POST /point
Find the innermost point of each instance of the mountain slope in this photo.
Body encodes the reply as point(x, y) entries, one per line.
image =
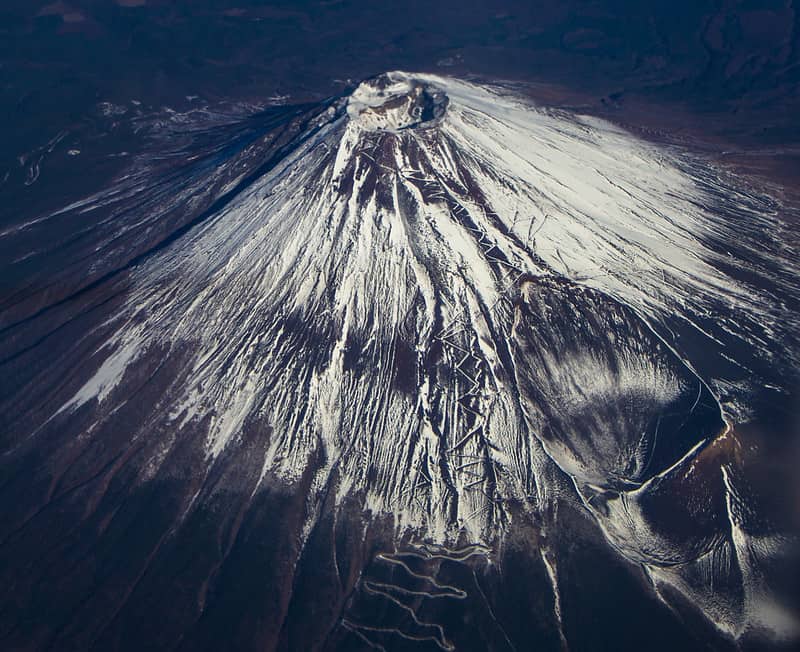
point(456, 323)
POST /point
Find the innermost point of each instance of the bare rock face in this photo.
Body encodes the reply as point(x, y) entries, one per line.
point(423, 365)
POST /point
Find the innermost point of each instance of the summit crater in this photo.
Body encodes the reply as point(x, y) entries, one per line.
point(395, 101)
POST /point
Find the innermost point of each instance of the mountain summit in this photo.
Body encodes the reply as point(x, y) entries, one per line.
point(432, 362)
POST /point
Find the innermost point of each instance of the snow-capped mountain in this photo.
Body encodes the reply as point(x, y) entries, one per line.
point(429, 310)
